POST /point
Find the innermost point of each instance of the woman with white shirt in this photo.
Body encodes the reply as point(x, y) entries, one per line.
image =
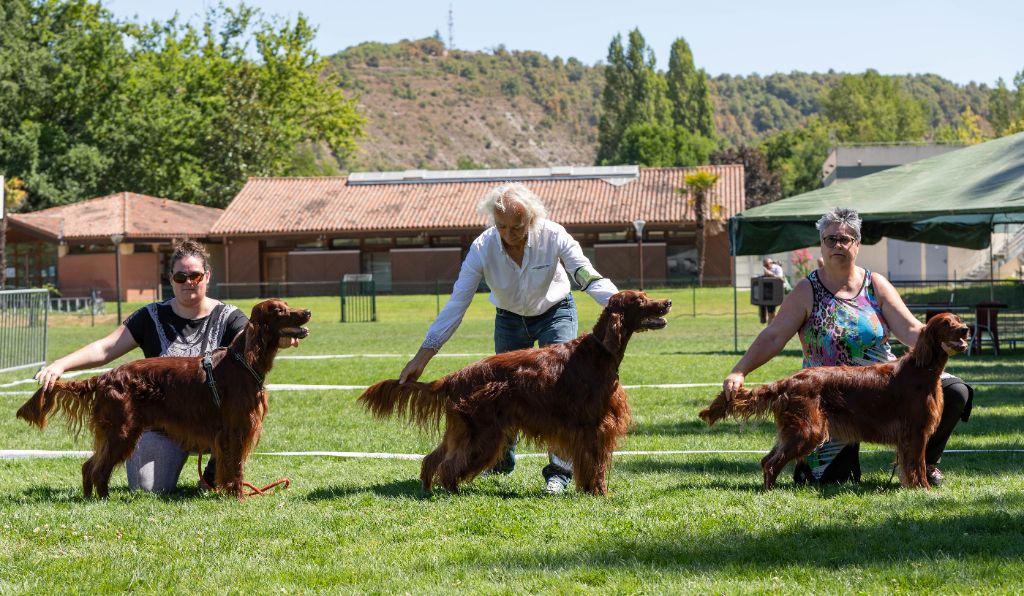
point(526, 261)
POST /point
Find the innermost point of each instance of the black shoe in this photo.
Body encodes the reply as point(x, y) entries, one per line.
point(802, 474)
point(935, 476)
point(506, 464)
point(210, 473)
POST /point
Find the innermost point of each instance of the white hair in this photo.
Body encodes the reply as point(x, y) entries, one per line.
point(842, 216)
point(498, 199)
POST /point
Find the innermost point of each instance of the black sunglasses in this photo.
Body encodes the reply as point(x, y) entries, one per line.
point(195, 277)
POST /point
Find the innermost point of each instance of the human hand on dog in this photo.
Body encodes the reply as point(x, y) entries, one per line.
point(288, 342)
point(733, 383)
point(415, 367)
point(48, 375)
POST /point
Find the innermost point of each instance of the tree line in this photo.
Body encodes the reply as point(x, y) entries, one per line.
point(660, 119)
point(91, 105)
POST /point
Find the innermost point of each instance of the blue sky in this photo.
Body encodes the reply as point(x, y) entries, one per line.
point(963, 42)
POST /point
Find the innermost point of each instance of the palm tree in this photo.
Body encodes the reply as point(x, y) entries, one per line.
point(699, 184)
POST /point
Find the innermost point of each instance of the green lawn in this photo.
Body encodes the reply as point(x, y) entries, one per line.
point(672, 523)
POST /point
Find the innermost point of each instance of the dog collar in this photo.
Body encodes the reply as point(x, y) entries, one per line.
point(212, 383)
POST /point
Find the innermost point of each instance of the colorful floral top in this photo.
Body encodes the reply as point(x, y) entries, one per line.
point(845, 331)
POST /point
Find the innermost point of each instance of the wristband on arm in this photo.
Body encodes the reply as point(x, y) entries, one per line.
point(585, 276)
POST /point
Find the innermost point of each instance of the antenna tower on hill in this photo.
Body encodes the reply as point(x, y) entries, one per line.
point(451, 27)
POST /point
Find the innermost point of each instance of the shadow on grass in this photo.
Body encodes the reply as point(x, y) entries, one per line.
point(688, 424)
point(65, 494)
point(395, 488)
point(742, 472)
point(410, 489)
point(990, 533)
point(742, 476)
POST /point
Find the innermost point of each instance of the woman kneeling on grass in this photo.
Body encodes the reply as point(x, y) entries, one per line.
point(844, 314)
point(189, 324)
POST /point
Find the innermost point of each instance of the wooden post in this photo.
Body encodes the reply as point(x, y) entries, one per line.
point(3, 236)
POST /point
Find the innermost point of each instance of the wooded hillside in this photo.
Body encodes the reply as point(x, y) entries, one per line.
point(430, 108)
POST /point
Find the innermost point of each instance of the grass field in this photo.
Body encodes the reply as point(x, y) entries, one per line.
point(672, 522)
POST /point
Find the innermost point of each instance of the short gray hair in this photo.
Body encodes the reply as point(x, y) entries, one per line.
point(842, 216)
point(497, 199)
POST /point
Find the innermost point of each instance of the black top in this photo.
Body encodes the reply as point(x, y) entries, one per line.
point(183, 337)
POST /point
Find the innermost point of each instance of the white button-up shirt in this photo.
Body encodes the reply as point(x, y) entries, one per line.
point(529, 289)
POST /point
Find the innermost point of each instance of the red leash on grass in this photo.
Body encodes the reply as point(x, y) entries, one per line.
point(255, 491)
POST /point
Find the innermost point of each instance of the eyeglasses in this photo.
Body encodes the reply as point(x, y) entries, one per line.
point(195, 277)
point(833, 241)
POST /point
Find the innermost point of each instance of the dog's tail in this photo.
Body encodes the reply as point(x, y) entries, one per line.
point(422, 403)
point(745, 403)
point(74, 399)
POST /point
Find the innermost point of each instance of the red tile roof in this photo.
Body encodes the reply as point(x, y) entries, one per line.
point(329, 204)
point(133, 215)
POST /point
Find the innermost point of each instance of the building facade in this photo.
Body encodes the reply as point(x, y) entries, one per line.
point(411, 229)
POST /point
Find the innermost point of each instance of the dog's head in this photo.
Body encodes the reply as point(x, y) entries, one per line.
point(628, 312)
point(276, 318)
point(946, 332)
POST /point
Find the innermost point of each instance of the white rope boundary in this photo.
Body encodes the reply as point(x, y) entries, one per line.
point(299, 387)
point(11, 454)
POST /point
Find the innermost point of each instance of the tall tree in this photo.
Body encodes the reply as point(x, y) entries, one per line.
point(633, 93)
point(61, 67)
point(699, 185)
point(1002, 108)
point(760, 184)
point(797, 155)
point(870, 108)
point(688, 92)
point(91, 106)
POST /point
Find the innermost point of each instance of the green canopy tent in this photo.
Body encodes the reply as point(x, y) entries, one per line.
point(955, 199)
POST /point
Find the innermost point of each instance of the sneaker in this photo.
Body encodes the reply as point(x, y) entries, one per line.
point(935, 476)
point(556, 485)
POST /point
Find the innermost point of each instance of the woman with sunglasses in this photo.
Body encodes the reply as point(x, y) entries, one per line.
point(844, 315)
point(189, 324)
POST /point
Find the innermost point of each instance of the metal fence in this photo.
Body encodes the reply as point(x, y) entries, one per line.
point(23, 317)
point(358, 299)
point(963, 292)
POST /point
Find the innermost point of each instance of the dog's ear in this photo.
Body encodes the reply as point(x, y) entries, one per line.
point(927, 343)
point(612, 337)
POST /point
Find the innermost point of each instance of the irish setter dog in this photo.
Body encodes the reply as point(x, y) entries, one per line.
point(566, 395)
point(897, 403)
point(171, 394)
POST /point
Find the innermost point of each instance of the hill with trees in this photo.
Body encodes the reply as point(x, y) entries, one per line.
point(429, 107)
point(91, 105)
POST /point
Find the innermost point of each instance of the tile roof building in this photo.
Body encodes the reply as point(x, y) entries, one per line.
point(300, 236)
point(411, 229)
point(72, 246)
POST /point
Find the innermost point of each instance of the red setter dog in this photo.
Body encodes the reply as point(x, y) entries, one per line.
point(565, 395)
point(172, 395)
point(897, 403)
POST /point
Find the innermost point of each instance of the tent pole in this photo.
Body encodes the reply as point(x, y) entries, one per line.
point(735, 316)
point(991, 270)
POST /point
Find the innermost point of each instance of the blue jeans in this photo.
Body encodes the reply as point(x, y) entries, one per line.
point(557, 325)
point(156, 463)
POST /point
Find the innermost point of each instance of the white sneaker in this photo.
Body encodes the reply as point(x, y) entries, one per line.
point(556, 485)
